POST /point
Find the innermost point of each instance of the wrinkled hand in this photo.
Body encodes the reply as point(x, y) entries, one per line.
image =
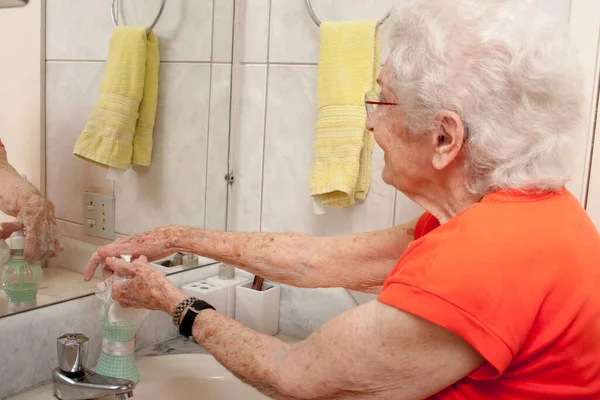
point(37, 221)
point(145, 287)
point(154, 244)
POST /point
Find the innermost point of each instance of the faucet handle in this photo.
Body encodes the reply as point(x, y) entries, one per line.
point(72, 350)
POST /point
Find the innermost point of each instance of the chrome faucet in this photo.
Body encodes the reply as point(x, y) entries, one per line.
point(73, 381)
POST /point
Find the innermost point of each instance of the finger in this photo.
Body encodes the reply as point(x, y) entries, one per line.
point(51, 250)
point(93, 263)
point(118, 292)
point(106, 271)
point(43, 247)
point(122, 292)
point(33, 249)
point(50, 244)
point(143, 268)
point(12, 226)
point(5, 234)
point(142, 259)
point(121, 267)
point(58, 248)
point(114, 249)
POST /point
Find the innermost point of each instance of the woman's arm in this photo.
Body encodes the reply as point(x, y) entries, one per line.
point(360, 262)
point(373, 351)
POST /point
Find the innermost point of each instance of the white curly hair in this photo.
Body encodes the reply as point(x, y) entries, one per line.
point(508, 69)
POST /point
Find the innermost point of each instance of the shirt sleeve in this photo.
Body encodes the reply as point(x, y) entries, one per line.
point(463, 283)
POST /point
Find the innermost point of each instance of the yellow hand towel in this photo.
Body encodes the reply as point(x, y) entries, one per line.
point(142, 140)
point(348, 66)
point(120, 127)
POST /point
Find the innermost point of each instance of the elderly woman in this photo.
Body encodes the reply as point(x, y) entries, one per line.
point(495, 293)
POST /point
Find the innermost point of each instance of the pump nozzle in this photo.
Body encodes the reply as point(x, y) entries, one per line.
point(17, 240)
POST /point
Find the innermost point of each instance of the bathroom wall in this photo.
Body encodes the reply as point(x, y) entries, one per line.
point(21, 77)
point(272, 142)
point(184, 185)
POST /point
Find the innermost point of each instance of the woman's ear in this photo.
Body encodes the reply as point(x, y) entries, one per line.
point(447, 140)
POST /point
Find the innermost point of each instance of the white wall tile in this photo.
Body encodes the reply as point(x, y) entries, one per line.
point(223, 31)
point(287, 204)
point(247, 150)
point(75, 256)
point(78, 30)
point(71, 92)
point(254, 33)
point(218, 148)
point(294, 36)
point(172, 189)
point(75, 231)
point(184, 29)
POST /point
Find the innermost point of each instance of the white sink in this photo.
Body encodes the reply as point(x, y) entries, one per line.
point(189, 376)
point(177, 377)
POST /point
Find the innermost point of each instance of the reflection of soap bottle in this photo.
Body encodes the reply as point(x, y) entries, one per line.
point(20, 278)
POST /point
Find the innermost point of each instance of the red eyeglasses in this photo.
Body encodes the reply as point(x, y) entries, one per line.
point(372, 101)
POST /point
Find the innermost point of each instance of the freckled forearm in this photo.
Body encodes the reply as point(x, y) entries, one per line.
point(360, 261)
point(254, 358)
point(320, 367)
point(279, 257)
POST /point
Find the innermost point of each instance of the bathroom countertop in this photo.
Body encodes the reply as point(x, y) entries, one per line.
point(175, 345)
point(58, 284)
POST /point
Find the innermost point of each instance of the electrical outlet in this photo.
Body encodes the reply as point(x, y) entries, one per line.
point(99, 215)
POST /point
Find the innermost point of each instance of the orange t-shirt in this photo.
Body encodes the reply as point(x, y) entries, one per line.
point(518, 277)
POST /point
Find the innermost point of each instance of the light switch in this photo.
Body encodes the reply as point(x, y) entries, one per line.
point(99, 214)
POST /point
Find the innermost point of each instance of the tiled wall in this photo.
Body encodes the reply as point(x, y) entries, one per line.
point(272, 144)
point(184, 185)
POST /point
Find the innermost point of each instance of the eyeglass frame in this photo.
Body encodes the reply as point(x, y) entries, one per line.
point(385, 103)
point(375, 103)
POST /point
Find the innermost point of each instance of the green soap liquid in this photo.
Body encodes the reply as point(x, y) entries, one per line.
point(113, 365)
point(21, 293)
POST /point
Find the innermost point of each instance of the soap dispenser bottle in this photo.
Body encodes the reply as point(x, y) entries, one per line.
point(20, 278)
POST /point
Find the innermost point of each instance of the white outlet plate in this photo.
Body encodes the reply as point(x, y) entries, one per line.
point(99, 215)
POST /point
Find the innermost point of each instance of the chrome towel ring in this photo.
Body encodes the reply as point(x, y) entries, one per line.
point(113, 14)
point(317, 21)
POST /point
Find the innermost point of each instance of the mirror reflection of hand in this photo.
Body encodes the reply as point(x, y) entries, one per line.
point(144, 287)
point(154, 244)
point(36, 219)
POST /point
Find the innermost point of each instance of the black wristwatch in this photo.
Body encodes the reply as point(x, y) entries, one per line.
point(185, 328)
